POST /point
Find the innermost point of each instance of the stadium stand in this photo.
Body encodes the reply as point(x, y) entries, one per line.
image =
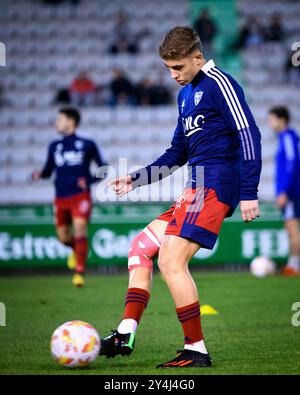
point(48, 45)
point(265, 80)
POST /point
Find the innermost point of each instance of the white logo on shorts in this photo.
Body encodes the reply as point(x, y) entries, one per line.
point(84, 206)
point(179, 201)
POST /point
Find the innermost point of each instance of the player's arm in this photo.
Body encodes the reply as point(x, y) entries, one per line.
point(96, 157)
point(48, 167)
point(232, 104)
point(173, 158)
point(287, 167)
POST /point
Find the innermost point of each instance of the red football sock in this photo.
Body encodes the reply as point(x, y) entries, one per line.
point(81, 252)
point(135, 303)
point(189, 316)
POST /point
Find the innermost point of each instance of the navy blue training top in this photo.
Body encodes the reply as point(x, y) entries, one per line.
point(70, 158)
point(215, 130)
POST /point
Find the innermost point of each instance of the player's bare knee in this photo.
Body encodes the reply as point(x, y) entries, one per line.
point(143, 249)
point(62, 239)
point(295, 240)
point(162, 265)
point(80, 233)
point(172, 269)
point(294, 247)
point(80, 230)
point(169, 265)
point(63, 236)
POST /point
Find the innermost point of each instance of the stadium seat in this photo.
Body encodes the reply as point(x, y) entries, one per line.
point(3, 176)
point(46, 57)
point(38, 156)
point(18, 156)
point(22, 137)
point(18, 176)
point(3, 159)
point(6, 138)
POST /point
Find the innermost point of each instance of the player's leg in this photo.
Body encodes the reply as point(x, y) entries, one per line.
point(196, 221)
point(63, 222)
point(174, 256)
point(144, 248)
point(291, 215)
point(293, 264)
point(80, 233)
point(145, 245)
point(81, 208)
point(65, 235)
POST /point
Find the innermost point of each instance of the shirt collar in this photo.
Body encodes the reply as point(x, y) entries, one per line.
point(207, 66)
point(69, 137)
point(284, 131)
point(204, 69)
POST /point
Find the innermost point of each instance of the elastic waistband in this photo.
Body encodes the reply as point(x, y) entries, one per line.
point(81, 195)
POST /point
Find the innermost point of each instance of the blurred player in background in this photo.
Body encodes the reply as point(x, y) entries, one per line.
point(215, 130)
point(70, 157)
point(288, 182)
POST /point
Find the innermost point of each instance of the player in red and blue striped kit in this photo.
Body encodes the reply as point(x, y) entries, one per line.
point(70, 158)
point(215, 131)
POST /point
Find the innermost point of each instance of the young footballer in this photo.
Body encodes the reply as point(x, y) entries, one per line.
point(288, 183)
point(70, 157)
point(215, 130)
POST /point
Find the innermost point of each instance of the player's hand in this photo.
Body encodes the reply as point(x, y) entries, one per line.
point(36, 175)
point(121, 185)
point(282, 200)
point(249, 210)
point(82, 183)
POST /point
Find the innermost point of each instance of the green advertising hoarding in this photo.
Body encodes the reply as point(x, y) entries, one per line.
point(27, 236)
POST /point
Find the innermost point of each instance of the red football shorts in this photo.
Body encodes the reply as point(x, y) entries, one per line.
point(197, 215)
point(66, 208)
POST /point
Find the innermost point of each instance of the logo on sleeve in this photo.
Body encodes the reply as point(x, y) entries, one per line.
point(182, 106)
point(197, 97)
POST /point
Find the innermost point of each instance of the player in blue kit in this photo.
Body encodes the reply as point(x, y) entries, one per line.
point(215, 130)
point(70, 158)
point(288, 182)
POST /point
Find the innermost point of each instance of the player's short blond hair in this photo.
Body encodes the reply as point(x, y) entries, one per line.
point(180, 42)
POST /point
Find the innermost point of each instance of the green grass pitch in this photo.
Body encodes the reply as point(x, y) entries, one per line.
point(252, 334)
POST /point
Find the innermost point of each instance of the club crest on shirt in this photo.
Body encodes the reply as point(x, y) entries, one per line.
point(79, 144)
point(197, 97)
